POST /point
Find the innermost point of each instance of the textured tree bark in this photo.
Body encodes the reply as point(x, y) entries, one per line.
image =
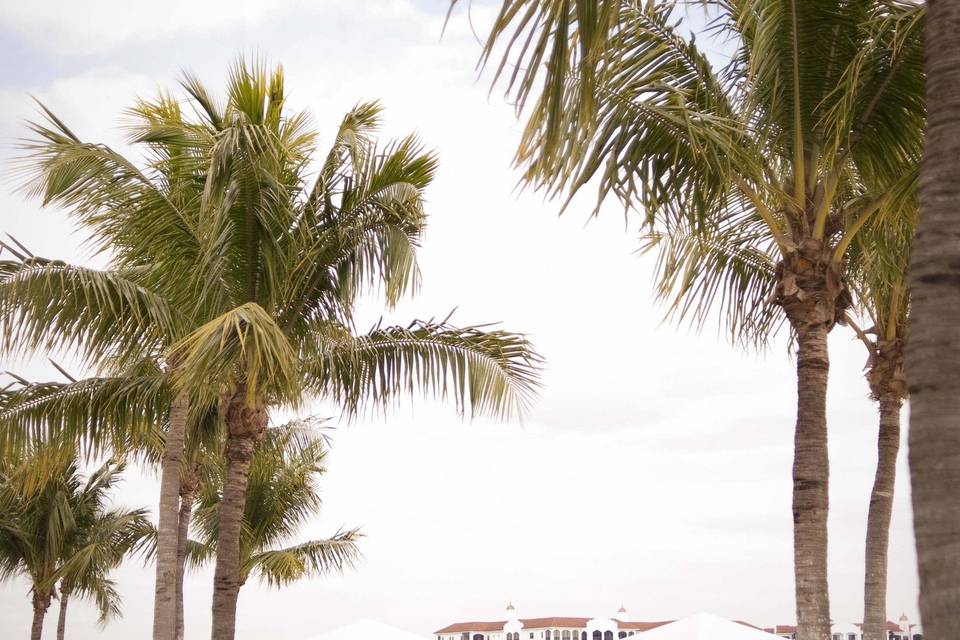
point(933, 354)
point(40, 605)
point(813, 295)
point(811, 471)
point(246, 426)
point(878, 521)
point(62, 615)
point(165, 604)
point(189, 486)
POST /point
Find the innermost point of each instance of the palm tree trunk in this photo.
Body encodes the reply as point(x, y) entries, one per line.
point(811, 473)
point(878, 520)
point(165, 604)
point(40, 605)
point(186, 509)
point(62, 616)
point(188, 494)
point(246, 425)
point(933, 355)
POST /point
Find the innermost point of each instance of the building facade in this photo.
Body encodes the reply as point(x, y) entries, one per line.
point(619, 626)
point(551, 628)
point(905, 630)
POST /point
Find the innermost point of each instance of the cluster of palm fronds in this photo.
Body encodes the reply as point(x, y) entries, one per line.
point(236, 257)
point(776, 188)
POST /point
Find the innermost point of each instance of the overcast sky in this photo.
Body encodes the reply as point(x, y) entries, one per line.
point(655, 468)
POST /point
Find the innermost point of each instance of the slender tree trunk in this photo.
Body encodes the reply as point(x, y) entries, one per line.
point(62, 616)
point(165, 604)
point(40, 605)
point(933, 355)
point(188, 493)
point(246, 425)
point(811, 471)
point(878, 520)
point(813, 295)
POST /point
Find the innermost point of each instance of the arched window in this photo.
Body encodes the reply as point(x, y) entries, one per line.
point(598, 635)
point(478, 636)
point(566, 634)
point(583, 635)
point(622, 634)
point(608, 635)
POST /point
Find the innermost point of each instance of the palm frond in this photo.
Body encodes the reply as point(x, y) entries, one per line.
point(482, 370)
point(243, 344)
point(727, 276)
point(51, 305)
point(280, 567)
point(127, 211)
point(120, 414)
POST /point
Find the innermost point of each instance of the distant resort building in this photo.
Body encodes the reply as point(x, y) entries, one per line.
point(553, 628)
point(620, 626)
point(616, 627)
point(906, 630)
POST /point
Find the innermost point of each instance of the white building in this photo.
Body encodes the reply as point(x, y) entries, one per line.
point(905, 630)
point(553, 628)
point(620, 626)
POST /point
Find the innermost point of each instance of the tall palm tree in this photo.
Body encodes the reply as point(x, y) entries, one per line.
point(881, 254)
point(116, 313)
point(271, 264)
point(61, 532)
point(290, 258)
point(281, 497)
point(933, 354)
point(755, 174)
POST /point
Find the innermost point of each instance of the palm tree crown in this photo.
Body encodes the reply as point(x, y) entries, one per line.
point(236, 264)
point(753, 178)
point(61, 531)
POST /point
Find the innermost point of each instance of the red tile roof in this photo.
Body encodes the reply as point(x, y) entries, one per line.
point(785, 628)
point(555, 622)
point(472, 626)
point(889, 627)
point(781, 628)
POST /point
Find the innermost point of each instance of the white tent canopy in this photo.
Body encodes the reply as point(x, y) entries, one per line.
point(703, 626)
point(366, 630)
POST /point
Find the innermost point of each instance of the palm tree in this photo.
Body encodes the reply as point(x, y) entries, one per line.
point(881, 254)
point(281, 497)
point(933, 354)
point(60, 531)
point(264, 267)
point(115, 313)
point(101, 540)
point(290, 259)
point(756, 174)
point(125, 412)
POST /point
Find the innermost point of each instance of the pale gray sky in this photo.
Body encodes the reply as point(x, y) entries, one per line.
point(654, 470)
